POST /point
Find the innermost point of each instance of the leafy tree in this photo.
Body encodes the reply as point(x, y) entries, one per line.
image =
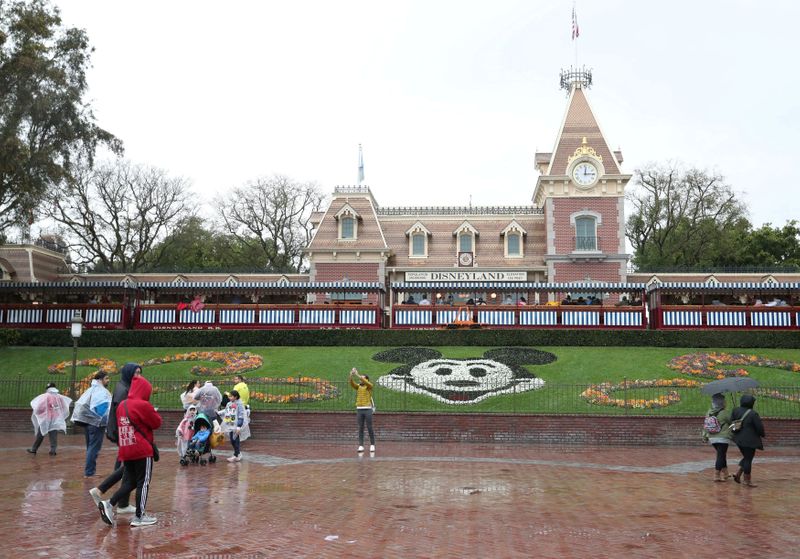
point(770, 246)
point(272, 215)
point(117, 216)
point(194, 248)
point(684, 218)
point(46, 126)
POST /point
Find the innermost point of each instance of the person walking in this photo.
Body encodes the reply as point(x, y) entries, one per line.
point(136, 421)
point(717, 432)
point(364, 407)
point(747, 438)
point(128, 372)
point(50, 411)
point(91, 412)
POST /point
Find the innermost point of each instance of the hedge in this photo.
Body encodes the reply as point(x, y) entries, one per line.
point(389, 338)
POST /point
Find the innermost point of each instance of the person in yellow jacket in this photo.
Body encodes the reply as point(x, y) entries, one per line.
point(242, 388)
point(364, 407)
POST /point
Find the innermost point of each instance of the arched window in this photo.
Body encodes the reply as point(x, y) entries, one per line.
point(348, 227)
point(348, 223)
point(418, 244)
point(585, 233)
point(513, 235)
point(514, 245)
point(465, 242)
point(418, 240)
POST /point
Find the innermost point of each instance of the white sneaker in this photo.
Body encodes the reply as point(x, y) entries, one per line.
point(237, 458)
point(106, 512)
point(130, 509)
point(372, 448)
point(96, 496)
point(143, 520)
point(232, 459)
point(361, 449)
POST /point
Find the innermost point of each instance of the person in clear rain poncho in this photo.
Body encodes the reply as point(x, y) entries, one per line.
point(208, 399)
point(50, 411)
point(91, 413)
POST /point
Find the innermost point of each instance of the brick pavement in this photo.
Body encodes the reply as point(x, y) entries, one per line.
point(410, 500)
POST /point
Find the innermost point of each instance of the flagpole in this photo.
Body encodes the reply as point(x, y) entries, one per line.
point(360, 165)
point(575, 33)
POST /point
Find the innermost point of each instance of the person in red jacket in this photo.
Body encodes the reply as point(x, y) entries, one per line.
point(136, 421)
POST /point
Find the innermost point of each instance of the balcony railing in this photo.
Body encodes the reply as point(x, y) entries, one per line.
point(586, 243)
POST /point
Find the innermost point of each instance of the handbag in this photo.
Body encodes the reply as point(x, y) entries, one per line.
point(736, 424)
point(135, 428)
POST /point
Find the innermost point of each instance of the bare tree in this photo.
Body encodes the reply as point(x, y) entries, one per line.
point(680, 216)
point(272, 214)
point(116, 215)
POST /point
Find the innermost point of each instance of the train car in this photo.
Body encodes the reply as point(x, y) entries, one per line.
point(729, 306)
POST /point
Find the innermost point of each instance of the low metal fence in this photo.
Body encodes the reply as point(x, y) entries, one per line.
point(307, 394)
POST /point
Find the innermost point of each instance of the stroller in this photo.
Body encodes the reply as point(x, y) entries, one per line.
point(196, 450)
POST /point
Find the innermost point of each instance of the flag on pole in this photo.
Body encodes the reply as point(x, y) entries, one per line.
point(575, 31)
point(360, 165)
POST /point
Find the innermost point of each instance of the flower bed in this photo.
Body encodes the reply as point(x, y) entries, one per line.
point(234, 362)
point(105, 365)
point(321, 390)
point(600, 394)
point(707, 365)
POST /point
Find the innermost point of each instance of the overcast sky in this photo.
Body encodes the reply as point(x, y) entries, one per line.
point(450, 99)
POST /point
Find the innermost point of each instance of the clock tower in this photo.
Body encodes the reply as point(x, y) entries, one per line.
point(581, 189)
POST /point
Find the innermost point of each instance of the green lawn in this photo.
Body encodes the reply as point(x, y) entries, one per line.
point(24, 370)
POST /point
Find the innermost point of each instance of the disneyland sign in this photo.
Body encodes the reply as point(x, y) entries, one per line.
point(467, 276)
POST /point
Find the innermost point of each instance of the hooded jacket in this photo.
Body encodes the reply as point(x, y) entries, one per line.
point(136, 442)
point(752, 427)
point(120, 393)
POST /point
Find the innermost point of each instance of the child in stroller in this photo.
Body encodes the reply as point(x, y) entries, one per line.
point(185, 430)
point(199, 443)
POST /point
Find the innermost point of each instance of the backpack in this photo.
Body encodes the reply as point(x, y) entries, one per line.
point(711, 425)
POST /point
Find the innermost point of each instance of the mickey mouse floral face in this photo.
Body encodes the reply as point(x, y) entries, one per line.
point(462, 381)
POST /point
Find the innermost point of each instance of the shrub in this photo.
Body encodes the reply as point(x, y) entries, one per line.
point(486, 337)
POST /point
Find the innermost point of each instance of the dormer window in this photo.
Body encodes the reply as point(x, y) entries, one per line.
point(465, 235)
point(513, 234)
point(418, 240)
point(348, 223)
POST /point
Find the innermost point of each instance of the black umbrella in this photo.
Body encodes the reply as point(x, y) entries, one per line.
point(729, 384)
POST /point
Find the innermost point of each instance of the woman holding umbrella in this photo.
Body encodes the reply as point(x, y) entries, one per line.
point(718, 434)
point(748, 437)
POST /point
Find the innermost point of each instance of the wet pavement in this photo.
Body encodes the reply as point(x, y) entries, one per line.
point(409, 500)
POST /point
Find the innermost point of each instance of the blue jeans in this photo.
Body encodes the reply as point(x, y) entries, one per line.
point(94, 442)
point(236, 443)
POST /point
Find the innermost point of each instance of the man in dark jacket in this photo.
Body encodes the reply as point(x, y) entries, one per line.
point(128, 371)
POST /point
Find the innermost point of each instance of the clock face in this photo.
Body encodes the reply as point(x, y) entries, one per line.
point(465, 259)
point(584, 174)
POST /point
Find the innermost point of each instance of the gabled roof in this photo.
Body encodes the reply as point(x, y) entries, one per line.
point(418, 227)
point(347, 209)
point(513, 226)
point(579, 122)
point(466, 226)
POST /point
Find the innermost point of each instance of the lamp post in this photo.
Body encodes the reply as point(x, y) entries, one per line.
point(76, 331)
